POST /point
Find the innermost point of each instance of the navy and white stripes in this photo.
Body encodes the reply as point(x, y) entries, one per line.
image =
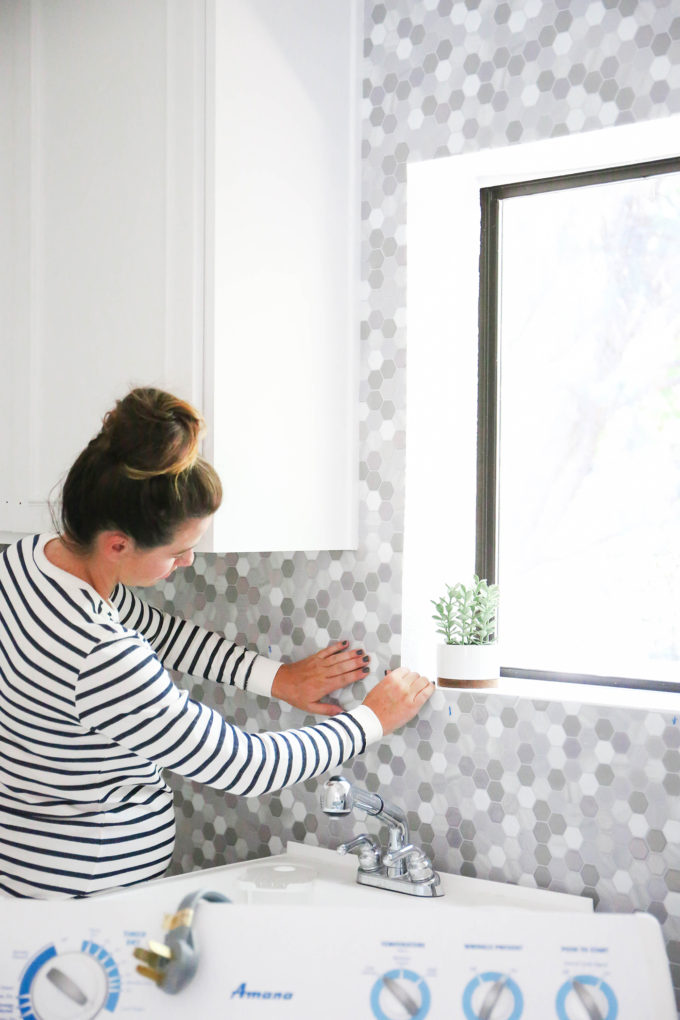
point(89, 717)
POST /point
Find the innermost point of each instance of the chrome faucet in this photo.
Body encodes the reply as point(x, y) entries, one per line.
point(401, 867)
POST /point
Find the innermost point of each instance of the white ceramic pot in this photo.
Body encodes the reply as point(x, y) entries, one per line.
point(468, 665)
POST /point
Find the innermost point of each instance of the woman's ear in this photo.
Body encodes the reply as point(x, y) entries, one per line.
point(114, 545)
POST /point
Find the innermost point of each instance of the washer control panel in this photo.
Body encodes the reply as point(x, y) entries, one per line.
point(74, 961)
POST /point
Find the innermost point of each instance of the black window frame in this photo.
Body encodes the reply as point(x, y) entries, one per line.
point(488, 396)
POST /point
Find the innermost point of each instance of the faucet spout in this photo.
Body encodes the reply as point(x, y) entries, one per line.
point(339, 797)
point(401, 867)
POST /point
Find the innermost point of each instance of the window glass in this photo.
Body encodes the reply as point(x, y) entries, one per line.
point(589, 429)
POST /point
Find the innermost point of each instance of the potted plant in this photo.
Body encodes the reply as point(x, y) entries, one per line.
point(466, 617)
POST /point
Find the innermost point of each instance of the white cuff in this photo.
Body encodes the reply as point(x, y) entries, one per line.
point(369, 722)
point(262, 676)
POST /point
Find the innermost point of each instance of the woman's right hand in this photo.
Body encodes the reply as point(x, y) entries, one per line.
point(398, 697)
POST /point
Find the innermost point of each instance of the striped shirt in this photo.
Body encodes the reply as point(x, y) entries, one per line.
point(89, 718)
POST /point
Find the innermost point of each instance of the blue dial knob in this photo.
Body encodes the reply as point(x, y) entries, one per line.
point(492, 996)
point(586, 997)
point(400, 994)
point(76, 983)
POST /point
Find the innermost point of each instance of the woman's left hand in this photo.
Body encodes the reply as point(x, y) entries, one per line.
point(303, 684)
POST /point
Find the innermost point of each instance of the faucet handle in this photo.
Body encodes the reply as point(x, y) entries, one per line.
point(368, 850)
point(418, 864)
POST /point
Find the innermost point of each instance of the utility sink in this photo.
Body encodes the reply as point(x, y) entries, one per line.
point(316, 876)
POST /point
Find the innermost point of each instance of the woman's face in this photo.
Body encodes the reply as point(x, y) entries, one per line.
point(145, 567)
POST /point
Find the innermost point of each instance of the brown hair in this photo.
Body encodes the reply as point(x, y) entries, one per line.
point(141, 474)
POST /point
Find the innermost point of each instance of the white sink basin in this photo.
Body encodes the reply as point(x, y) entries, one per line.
point(313, 875)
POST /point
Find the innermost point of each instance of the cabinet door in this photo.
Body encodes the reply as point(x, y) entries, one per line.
point(283, 272)
point(102, 180)
point(121, 267)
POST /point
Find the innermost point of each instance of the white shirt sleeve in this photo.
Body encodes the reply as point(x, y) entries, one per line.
point(188, 648)
point(124, 693)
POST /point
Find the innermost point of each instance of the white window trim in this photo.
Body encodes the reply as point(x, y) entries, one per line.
point(443, 235)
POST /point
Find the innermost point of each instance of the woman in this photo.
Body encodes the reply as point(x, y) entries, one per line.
point(88, 714)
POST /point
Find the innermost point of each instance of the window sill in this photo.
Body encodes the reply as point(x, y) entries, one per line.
point(584, 694)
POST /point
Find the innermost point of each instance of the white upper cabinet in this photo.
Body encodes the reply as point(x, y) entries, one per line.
point(179, 185)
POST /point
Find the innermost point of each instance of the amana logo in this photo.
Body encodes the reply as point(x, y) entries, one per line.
point(245, 993)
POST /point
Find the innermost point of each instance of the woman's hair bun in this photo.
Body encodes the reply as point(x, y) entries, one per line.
point(141, 474)
point(150, 433)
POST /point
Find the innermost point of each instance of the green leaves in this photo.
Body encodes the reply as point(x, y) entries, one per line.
point(467, 616)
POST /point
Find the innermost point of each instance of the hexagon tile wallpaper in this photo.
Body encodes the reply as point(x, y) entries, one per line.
point(575, 798)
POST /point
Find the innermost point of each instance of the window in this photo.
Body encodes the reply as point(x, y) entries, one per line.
point(578, 488)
